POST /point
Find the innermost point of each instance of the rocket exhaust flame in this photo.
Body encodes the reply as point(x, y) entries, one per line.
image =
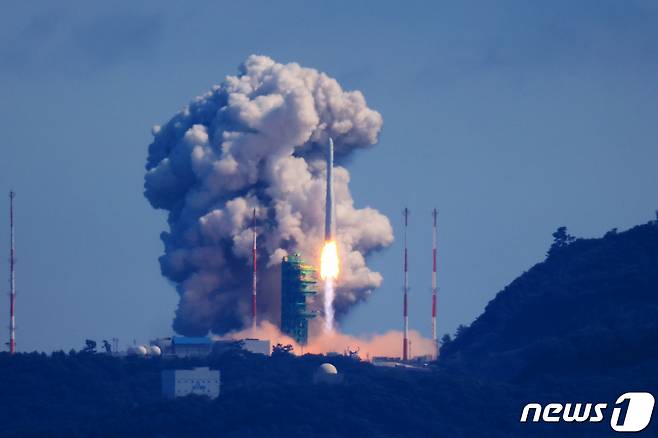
point(329, 295)
point(329, 263)
point(329, 272)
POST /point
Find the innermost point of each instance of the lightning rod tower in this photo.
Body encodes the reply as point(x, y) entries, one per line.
point(12, 277)
point(254, 276)
point(435, 214)
point(405, 340)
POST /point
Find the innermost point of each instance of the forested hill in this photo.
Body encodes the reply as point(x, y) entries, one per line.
point(581, 326)
point(591, 308)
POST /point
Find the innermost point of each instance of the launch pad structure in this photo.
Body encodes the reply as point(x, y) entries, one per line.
point(298, 281)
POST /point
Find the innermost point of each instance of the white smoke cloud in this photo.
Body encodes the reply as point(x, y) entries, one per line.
point(258, 141)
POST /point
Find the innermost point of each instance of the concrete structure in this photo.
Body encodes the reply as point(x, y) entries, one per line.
point(327, 373)
point(183, 346)
point(418, 363)
point(221, 346)
point(164, 344)
point(258, 346)
point(198, 381)
point(297, 283)
point(385, 361)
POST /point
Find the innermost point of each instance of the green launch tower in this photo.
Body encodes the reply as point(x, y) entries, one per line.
point(297, 282)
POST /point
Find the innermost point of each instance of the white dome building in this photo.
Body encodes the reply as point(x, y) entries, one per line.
point(327, 373)
point(139, 350)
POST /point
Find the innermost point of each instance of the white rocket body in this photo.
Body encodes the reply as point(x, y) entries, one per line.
point(329, 226)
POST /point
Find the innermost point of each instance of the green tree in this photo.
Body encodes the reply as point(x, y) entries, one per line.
point(445, 340)
point(561, 239)
point(460, 330)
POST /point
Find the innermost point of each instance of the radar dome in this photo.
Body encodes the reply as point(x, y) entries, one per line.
point(328, 368)
point(327, 373)
point(154, 350)
point(139, 350)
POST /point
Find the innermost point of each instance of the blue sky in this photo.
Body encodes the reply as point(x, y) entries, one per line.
point(511, 117)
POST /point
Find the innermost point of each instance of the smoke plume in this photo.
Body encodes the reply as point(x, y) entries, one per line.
point(257, 140)
point(386, 344)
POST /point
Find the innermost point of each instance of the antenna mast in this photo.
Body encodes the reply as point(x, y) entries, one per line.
point(12, 277)
point(435, 213)
point(254, 277)
point(405, 340)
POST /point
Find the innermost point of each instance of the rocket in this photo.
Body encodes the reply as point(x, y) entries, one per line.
point(329, 226)
point(329, 261)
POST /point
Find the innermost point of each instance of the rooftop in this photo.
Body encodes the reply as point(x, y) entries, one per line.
point(185, 340)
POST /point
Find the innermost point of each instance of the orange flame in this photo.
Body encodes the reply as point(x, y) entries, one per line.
point(329, 260)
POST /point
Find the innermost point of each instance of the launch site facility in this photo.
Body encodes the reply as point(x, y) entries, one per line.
point(300, 283)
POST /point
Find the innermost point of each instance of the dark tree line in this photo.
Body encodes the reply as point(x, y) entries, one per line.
point(580, 326)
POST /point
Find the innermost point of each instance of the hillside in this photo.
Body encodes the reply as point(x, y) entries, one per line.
point(581, 326)
point(83, 395)
point(591, 308)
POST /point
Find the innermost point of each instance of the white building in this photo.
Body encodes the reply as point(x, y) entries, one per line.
point(183, 346)
point(258, 346)
point(199, 381)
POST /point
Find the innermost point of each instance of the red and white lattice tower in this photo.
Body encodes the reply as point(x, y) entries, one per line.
point(405, 340)
point(12, 277)
point(435, 213)
point(254, 276)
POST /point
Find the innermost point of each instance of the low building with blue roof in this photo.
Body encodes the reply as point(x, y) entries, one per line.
point(184, 346)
